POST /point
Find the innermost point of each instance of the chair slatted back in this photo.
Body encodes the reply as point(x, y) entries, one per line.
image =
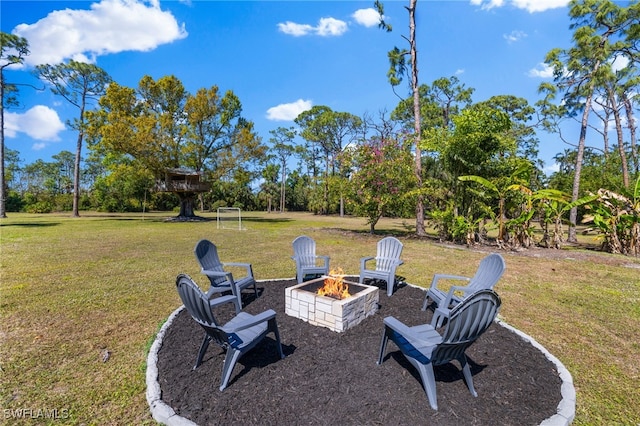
point(388, 253)
point(197, 305)
point(207, 254)
point(467, 322)
point(489, 272)
point(304, 250)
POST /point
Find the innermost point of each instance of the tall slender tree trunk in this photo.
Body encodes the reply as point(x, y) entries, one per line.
point(76, 174)
point(325, 204)
point(3, 196)
point(420, 231)
point(623, 154)
point(631, 123)
point(575, 193)
point(283, 186)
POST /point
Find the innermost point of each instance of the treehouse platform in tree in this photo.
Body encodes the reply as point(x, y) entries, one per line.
point(181, 181)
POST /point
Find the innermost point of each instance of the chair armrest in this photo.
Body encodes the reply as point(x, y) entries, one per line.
point(397, 326)
point(412, 337)
point(437, 277)
point(257, 319)
point(217, 274)
point(364, 260)
point(246, 266)
point(210, 273)
point(439, 315)
point(222, 300)
point(453, 289)
point(325, 260)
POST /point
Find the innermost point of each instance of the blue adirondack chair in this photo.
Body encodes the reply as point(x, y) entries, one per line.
point(236, 337)
point(386, 261)
point(424, 347)
point(222, 279)
point(487, 275)
point(307, 262)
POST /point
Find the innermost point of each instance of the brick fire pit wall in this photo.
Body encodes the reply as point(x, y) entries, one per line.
point(301, 301)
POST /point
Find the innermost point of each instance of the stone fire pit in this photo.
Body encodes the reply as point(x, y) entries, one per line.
point(301, 301)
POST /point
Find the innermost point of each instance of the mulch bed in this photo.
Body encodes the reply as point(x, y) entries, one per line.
point(330, 378)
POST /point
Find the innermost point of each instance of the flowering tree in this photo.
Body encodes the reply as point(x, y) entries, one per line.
point(382, 180)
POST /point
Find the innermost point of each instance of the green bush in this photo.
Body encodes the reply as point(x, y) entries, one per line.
point(40, 207)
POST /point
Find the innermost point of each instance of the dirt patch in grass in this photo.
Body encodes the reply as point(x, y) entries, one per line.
point(333, 378)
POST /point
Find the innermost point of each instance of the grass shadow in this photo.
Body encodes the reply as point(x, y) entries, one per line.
point(30, 225)
point(256, 219)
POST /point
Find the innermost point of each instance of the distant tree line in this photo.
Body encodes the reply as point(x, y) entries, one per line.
point(479, 171)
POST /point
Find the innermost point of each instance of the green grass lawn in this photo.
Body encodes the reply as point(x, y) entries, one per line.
point(72, 288)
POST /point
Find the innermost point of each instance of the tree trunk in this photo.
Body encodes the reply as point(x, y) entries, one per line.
point(631, 123)
point(325, 203)
point(76, 175)
point(3, 196)
point(283, 186)
point(623, 155)
point(575, 193)
point(186, 205)
point(420, 231)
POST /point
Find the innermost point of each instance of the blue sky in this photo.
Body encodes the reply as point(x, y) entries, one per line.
point(279, 57)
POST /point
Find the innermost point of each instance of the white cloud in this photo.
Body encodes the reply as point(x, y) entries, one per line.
point(296, 30)
point(619, 62)
point(514, 36)
point(541, 71)
point(459, 71)
point(40, 122)
point(331, 27)
point(38, 146)
point(530, 6)
point(109, 26)
point(555, 167)
point(367, 17)
point(325, 27)
point(288, 112)
point(487, 4)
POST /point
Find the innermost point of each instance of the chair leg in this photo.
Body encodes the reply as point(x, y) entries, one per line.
point(429, 382)
point(229, 362)
point(425, 303)
point(273, 326)
point(203, 349)
point(383, 345)
point(390, 283)
point(437, 320)
point(466, 371)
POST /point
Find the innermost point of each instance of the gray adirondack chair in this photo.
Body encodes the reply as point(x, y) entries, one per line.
point(307, 262)
point(487, 275)
point(424, 347)
point(236, 337)
point(387, 259)
point(222, 280)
